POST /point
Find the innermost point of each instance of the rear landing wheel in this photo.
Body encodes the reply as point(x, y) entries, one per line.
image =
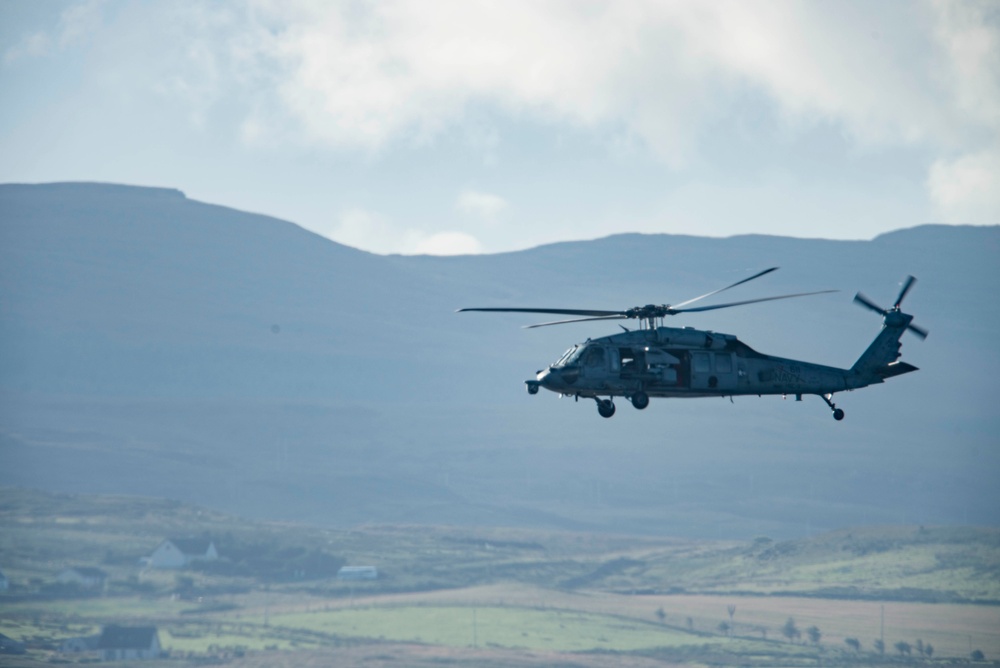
point(605, 407)
point(838, 414)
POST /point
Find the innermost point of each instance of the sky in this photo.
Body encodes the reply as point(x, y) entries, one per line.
point(464, 126)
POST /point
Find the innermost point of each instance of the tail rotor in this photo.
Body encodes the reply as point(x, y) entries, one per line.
point(894, 316)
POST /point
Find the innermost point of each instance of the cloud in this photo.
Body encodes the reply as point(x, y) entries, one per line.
point(449, 243)
point(367, 230)
point(969, 35)
point(80, 22)
point(77, 24)
point(376, 233)
point(35, 45)
point(484, 205)
point(365, 74)
point(645, 78)
point(966, 190)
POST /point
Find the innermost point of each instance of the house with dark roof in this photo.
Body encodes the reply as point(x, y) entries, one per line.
point(182, 552)
point(124, 643)
point(86, 577)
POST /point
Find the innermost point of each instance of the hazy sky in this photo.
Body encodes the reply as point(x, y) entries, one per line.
point(460, 126)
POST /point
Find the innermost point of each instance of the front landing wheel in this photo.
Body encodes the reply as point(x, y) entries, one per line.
point(838, 414)
point(605, 407)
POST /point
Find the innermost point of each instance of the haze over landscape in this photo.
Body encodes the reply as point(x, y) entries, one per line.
point(233, 239)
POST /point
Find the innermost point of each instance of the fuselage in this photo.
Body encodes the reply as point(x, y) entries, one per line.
point(687, 362)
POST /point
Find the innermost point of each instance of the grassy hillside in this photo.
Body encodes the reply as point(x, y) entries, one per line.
point(886, 563)
point(43, 533)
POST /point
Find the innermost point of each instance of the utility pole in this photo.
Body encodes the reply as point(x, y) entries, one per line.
point(881, 633)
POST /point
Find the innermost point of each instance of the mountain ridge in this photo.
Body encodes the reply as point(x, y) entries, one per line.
point(198, 352)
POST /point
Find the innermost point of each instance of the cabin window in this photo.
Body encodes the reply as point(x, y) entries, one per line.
point(700, 363)
point(594, 357)
point(724, 363)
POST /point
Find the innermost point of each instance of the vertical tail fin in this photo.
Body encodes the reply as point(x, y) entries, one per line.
point(881, 356)
point(883, 351)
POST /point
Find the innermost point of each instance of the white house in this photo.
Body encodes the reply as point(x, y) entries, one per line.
point(357, 573)
point(124, 643)
point(86, 577)
point(182, 552)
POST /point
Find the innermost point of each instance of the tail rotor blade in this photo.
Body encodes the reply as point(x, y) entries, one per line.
point(907, 284)
point(869, 304)
point(919, 331)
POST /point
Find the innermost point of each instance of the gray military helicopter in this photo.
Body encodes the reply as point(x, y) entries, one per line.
point(658, 361)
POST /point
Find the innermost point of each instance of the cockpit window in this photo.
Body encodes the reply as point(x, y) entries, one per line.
point(567, 356)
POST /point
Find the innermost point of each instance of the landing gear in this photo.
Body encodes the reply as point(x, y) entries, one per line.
point(640, 400)
point(605, 407)
point(838, 414)
point(532, 386)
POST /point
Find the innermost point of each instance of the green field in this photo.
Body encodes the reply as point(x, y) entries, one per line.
point(514, 627)
point(492, 596)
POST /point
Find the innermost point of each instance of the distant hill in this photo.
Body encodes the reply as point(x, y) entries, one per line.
point(902, 563)
point(151, 344)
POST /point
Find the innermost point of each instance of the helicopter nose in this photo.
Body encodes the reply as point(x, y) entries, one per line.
point(556, 378)
point(548, 378)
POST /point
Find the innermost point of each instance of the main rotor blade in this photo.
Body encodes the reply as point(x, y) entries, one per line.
point(709, 294)
point(869, 304)
point(919, 331)
point(563, 322)
point(556, 311)
point(907, 284)
point(748, 301)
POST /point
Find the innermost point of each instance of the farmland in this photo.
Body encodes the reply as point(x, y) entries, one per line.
point(500, 596)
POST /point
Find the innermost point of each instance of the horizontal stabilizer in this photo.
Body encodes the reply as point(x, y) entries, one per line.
point(895, 369)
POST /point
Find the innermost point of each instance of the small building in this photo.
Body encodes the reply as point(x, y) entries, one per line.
point(87, 577)
point(125, 643)
point(357, 573)
point(79, 644)
point(182, 552)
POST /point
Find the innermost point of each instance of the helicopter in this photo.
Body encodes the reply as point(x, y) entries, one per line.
point(658, 361)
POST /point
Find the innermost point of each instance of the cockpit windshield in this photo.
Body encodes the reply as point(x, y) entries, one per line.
point(570, 356)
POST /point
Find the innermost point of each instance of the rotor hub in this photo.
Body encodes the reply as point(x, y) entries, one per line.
point(896, 318)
